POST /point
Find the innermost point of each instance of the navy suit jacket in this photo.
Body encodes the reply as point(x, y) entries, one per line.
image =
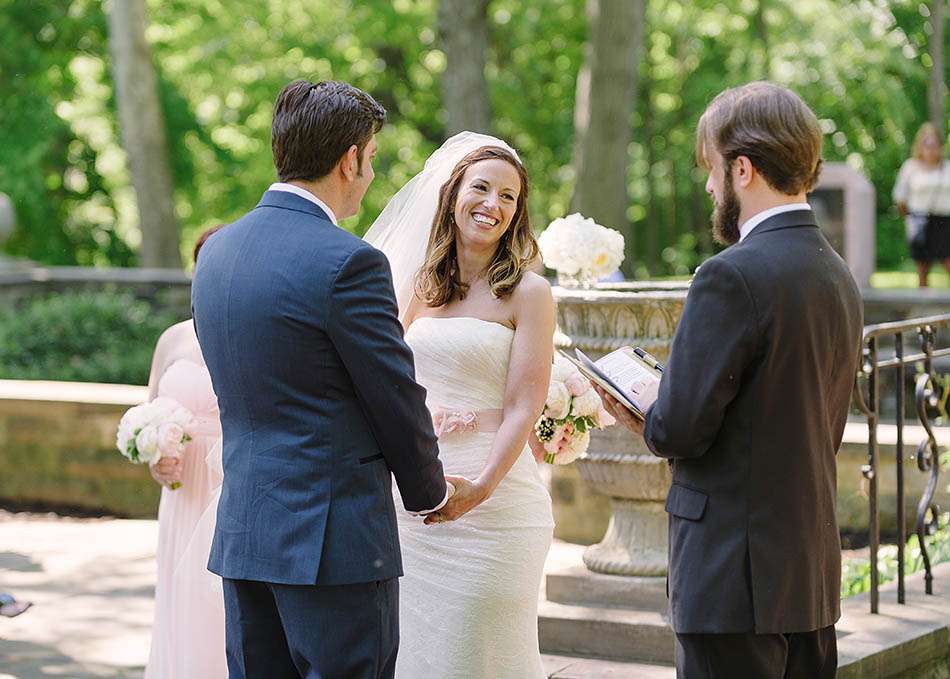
point(298, 325)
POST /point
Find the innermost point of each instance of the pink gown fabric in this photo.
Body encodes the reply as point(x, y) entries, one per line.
point(188, 631)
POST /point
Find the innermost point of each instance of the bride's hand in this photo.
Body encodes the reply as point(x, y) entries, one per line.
point(537, 448)
point(466, 497)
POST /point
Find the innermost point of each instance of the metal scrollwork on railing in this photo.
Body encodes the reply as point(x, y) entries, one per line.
point(932, 393)
point(867, 367)
point(929, 400)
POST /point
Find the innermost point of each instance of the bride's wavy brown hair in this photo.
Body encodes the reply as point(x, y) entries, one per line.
point(438, 281)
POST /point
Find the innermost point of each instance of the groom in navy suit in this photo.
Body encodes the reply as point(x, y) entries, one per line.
point(297, 322)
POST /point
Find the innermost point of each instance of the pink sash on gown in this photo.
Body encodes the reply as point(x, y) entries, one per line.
point(188, 631)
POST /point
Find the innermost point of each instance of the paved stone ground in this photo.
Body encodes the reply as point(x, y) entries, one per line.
point(91, 582)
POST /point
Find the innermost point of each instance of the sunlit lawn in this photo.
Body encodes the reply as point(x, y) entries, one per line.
point(908, 279)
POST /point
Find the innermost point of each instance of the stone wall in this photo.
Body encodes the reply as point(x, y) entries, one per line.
point(57, 446)
point(165, 288)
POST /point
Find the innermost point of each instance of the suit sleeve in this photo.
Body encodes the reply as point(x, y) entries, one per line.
point(713, 345)
point(366, 333)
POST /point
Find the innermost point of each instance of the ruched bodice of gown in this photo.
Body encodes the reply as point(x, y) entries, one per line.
point(462, 362)
point(468, 600)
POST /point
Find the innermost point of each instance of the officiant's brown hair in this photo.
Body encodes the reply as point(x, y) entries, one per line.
point(316, 123)
point(438, 281)
point(772, 127)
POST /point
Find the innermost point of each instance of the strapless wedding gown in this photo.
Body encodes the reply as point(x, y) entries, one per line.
point(188, 631)
point(469, 598)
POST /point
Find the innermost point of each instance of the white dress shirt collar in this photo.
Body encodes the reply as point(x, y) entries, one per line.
point(303, 193)
point(757, 219)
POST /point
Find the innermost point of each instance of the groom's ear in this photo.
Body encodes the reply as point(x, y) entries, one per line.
point(350, 163)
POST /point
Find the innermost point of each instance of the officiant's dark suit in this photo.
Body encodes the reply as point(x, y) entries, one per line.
point(752, 409)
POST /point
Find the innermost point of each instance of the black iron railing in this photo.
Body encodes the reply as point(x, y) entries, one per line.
point(931, 401)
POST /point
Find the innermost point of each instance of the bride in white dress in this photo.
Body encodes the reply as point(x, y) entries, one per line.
point(480, 325)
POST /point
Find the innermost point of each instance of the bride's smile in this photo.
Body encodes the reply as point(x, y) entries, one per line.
point(487, 201)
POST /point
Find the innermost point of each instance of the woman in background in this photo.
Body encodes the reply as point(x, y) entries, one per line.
point(188, 630)
point(922, 195)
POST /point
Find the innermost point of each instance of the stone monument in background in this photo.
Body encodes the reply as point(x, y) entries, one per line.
point(844, 204)
point(7, 224)
point(7, 218)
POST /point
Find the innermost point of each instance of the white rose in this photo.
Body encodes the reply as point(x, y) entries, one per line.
point(558, 403)
point(134, 419)
point(563, 369)
point(123, 436)
point(564, 243)
point(587, 404)
point(170, 435)
point(146, 442)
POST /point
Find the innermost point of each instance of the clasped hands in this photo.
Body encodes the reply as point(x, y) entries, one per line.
point(464, 495)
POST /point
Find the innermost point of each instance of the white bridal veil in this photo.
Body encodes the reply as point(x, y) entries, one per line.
point(402, 229)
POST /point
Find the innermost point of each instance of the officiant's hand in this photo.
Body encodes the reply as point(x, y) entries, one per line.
point(466, 497)
point(619, 411)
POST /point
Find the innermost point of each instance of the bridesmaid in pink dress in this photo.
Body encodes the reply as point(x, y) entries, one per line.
point(188, 630)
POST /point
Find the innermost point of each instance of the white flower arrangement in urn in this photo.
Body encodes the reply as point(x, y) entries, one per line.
point(571, 410)
point(580, 250)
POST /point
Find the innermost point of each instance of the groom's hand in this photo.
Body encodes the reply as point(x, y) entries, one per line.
point(466, 497)
point(620, 412)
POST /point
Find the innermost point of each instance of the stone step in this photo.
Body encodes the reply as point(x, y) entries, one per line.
point(578, 585)
point(568, 667)
point(609, 633)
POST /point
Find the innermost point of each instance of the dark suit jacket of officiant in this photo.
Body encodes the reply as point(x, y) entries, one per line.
point(752, 409)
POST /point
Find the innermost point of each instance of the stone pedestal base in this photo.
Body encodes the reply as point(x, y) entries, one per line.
point(636, 540)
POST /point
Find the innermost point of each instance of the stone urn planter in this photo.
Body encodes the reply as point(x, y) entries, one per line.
point(618, 464)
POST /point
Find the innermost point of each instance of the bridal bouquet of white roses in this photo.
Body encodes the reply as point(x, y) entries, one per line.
point(579, 248)
point(571, 411)
point(154, 430)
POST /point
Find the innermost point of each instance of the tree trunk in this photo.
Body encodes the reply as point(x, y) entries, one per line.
point(650, 244)
point(606, 90)
point(937, 87)
point(761, 30)
point(463, 33)
point(143, 134)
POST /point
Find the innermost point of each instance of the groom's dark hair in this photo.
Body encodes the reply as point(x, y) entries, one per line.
point(772, 127)
point(315, 123)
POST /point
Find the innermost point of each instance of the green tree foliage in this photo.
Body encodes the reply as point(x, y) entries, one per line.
point(47, 165)
point(862, 65)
